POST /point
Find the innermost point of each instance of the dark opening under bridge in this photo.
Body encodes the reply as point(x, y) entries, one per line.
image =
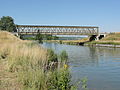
point(57, 30)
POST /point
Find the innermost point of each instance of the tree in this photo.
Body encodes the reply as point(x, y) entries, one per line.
point(7, 24)
point(39, 37)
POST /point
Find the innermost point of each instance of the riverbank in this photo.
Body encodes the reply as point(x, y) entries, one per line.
point(103, 45)
point(16, 56)
point(25, 65)
point(69, 42)
point(111, 40)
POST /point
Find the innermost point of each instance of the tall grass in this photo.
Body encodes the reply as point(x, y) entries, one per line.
point(29, 62)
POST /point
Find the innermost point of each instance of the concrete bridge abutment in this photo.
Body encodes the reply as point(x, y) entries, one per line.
point(97, 37)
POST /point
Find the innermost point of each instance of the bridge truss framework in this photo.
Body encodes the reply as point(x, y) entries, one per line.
point(57, 30)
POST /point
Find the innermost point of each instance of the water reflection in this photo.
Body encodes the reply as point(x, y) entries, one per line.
point(100, 64)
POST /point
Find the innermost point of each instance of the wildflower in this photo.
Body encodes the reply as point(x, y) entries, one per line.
point(65, 66)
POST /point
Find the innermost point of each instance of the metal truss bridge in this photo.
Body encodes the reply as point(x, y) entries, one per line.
point(57, 30)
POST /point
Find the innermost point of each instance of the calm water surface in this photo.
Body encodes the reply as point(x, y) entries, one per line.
point(101, 65)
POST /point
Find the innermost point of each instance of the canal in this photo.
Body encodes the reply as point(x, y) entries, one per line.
point(101, 65)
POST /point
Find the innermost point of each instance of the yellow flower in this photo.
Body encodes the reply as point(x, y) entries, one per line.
point(65, 66)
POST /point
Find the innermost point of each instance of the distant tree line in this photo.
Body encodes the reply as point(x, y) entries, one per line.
point(41, 37)
point(7, 24)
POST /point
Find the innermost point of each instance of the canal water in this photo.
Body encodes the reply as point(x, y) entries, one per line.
point(100, 65)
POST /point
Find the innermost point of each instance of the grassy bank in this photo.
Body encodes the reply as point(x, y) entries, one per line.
point(111, 39)
point(25, 65)
point(69, 42)
point(18, 56)
point(104, 42)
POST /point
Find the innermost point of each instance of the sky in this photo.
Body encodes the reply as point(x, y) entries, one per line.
point(102, 13)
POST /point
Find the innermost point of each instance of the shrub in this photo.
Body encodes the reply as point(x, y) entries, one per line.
point(52, 57)
point(63, 56)
point(39, 37)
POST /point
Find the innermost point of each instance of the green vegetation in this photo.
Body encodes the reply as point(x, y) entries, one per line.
point(111, 39)
point(46, 37)
point(42, 37)
point(25, 65)
point(39, 37)
point(29, 38)
point(50, 37)
point(7, 24)
point(52, 56)
point(69, 42)
point(100, 42)
point(63, 56)
point(38, 78)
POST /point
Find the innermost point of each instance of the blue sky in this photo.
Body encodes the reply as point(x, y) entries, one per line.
point(102, 13)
